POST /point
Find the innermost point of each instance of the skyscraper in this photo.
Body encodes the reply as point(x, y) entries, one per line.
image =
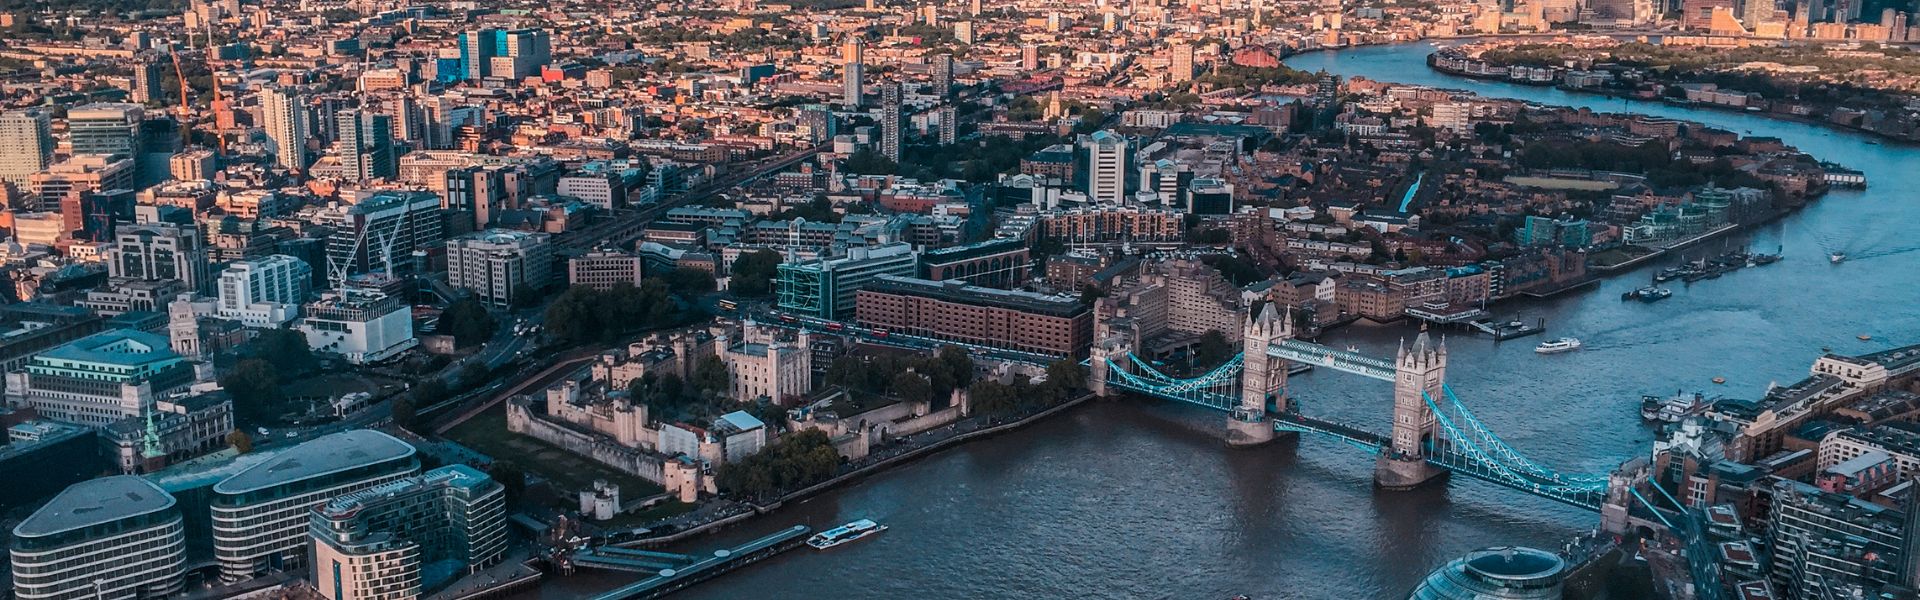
point(891, 121)
point(283, 112)
point(26, 144)
point(476, 53)
point(941, 68)
point(146, 82)
point(1106, 167)
point(365, 145)
point(949, 124)
point(1180, 63)
point(852, 69)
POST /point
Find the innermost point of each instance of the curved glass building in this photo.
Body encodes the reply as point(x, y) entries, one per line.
point(1504, 573)
point(261, 515)
point(111, 538)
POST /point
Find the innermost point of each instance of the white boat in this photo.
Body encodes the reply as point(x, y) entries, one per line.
point(845, 533)
point(1565, 344)
point(1837, 257)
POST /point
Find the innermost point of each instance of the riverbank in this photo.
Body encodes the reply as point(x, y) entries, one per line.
point(953, 438)
point(1557, 81)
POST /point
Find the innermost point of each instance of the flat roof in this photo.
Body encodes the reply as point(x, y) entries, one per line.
point(117, 346)
point(959, 292)
point(320, 456)
point(94, 502)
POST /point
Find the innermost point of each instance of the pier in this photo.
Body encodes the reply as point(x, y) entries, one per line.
point(674, 572)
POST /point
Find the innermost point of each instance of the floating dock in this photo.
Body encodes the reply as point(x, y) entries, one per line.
point(675, 572)
point(1508, 330)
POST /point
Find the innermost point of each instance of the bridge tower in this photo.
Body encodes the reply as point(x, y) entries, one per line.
point(1419, 372)
point(1099, 367)
point(1263, 378)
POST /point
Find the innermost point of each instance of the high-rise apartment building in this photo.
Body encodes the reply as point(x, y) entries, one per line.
point(1180, 63)
point(500, 266)
point(26, 144)
point(892, 122)
point(283, 114)
point(941, 69)
point(376, 543)
point(112, 538)
point(365, 145)
point(1106, 167)
point(853, 55)
point(261, 516)
point(146, 82)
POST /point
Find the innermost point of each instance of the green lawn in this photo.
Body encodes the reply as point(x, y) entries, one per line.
point(487, 433)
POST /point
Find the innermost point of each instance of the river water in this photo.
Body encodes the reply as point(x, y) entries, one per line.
point(1139, 499)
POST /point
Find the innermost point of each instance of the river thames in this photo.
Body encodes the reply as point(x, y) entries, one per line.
point(1139, 499)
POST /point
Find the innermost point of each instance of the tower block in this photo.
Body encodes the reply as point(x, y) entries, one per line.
point(1263, 378)
point(1419, 372)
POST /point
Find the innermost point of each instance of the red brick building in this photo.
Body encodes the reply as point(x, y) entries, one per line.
point(1011, 320)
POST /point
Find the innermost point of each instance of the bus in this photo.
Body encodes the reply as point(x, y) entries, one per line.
point(727, 305)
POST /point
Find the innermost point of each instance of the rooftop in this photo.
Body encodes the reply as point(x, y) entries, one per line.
point(94, 502)
point(960, 292)
point(118, 347)
point(316, 457)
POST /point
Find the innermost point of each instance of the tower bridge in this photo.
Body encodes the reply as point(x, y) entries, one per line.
point(1432, 434)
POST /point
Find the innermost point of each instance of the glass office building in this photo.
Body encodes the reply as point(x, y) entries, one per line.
point(111, 538)
point(261, 515)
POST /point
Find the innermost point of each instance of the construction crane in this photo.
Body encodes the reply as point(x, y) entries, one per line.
point(186, 103)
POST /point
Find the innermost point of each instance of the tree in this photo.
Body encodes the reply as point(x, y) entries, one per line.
point(285, 349)
point(240, 441)
point(254, 385)
point(1067, 374)
point(468, 321)
point(959, 365)
point(688, 280)
point(710, 377)
point(404, 412)
point(912, 387)
point(753, 273)
point(473, 373)
point(429, 392)
point(797, 460)
point(1213, 349)
point(511, 477)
